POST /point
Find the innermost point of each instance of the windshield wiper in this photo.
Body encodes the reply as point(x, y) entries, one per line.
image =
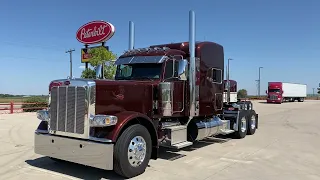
point(144, 77)
point(123, 78)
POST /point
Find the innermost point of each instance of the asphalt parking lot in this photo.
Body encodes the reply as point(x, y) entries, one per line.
point(286, 146)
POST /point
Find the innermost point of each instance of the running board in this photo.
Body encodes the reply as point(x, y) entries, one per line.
point(226, 131)
point(179, 145)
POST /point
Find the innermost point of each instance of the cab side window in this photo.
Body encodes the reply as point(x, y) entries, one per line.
point(215, 75)
point(169, 71)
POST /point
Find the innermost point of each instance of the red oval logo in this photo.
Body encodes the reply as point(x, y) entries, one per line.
point(95, 32)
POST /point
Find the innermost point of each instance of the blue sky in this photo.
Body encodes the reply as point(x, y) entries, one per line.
point(282, 36)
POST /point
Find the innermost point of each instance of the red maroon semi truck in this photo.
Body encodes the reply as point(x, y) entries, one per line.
point(168, 95)
point(233, 91)
point(279, 92)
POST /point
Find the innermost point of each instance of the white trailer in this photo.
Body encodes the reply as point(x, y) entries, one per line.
point(294, 90)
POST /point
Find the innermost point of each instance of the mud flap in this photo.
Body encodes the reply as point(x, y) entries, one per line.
point(257, 120)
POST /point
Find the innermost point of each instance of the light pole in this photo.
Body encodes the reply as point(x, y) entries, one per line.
point(259, 82)
point(228, 81)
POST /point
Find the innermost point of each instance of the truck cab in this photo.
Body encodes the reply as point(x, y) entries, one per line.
point(274, 92)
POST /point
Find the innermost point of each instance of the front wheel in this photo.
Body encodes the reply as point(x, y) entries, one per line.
point(132, 151)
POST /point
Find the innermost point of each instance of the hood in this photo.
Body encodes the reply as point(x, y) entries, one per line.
point(116, 96)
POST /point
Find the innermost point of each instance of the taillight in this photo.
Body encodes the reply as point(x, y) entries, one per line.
point(52, 84)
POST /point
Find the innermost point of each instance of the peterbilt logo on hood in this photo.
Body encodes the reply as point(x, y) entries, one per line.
point(118, 96)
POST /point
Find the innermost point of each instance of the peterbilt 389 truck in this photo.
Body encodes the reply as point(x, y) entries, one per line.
point(167, 95)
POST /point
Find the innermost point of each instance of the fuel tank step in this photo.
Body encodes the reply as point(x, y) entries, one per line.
point(226, 131)
point(182, 145)
point(176, 137)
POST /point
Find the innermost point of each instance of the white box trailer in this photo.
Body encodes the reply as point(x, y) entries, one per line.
point(294, 90)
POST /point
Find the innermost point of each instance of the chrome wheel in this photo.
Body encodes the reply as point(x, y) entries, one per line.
point(253, 122)
point(243, 124)
point(137, 151)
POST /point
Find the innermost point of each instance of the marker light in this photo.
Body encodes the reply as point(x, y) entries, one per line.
point(103, 121)
point(52, 84)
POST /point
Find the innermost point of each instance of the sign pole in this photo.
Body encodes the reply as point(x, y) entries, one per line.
point(86, 46)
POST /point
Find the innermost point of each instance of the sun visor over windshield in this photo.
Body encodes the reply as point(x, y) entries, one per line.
point(140, 59)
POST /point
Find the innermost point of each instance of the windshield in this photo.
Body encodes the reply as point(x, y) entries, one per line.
point(274, 90)
point(138, 71)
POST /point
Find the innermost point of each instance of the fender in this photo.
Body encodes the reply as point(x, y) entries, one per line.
point(126, 117)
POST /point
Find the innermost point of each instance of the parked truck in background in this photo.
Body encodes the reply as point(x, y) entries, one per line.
point(279, 92)
point(233, 91)
point(168, 95)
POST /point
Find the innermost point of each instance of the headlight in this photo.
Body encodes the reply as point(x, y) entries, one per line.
point(43, 115)
point(103, 120)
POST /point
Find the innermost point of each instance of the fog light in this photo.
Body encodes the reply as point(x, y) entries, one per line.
point(103, 120)
point(43, 115)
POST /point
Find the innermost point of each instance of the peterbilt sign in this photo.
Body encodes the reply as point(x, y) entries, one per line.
point(95, 32)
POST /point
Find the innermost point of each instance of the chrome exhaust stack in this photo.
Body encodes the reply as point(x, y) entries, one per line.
point(100, 71)
point(131, 35)
point(192, 68)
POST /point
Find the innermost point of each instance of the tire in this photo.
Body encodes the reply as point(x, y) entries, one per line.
point(252, 123)
point(242, 126)
point(127, 141)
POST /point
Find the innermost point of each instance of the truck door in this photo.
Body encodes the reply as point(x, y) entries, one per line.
point(215, 76)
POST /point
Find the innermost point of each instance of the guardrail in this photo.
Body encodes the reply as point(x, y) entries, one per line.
point(10, 108)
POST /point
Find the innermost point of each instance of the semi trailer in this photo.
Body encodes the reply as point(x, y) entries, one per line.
point(279, 92)
point(166, 95)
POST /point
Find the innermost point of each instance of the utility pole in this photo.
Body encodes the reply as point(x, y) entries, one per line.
point(313, 92)
point(259, 83)
point(70, 52)
point(228, 81)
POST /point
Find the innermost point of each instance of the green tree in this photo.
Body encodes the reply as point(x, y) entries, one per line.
point(99, 56)
point(88, 73)
point(242, 93)
point(110, 71)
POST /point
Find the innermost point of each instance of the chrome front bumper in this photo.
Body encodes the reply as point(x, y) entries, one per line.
point(89, 153)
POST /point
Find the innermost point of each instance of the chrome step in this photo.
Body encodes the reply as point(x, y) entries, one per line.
point(226, 131)
point(179, 145)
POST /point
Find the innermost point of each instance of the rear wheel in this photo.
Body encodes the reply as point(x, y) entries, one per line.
point(132, 151)
point(252, 123)
point(242, 126)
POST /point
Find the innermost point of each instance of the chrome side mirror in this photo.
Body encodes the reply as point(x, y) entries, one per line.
point(99, 72)
point(182, 71)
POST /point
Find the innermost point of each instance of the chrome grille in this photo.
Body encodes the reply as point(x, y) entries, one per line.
point(273, 97)
point(67, 109)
